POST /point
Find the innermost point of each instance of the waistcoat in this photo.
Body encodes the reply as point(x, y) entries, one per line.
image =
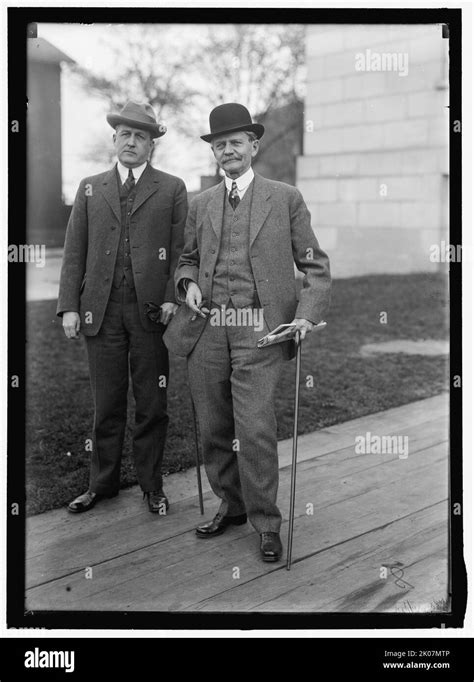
point(233, 278)
point(123, 263)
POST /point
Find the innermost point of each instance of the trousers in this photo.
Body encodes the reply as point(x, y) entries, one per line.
point(123, 347)
point(233, 386)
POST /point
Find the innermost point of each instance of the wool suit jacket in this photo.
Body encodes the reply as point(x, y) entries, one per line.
point(92, 240)
point(281, 237)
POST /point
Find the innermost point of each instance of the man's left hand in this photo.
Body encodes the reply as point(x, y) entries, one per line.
point(168, 310)
point(303, 326)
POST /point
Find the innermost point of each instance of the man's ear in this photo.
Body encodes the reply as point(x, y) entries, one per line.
point(255, 145)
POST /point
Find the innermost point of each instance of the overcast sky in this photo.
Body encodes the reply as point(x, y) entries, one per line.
point(83, 115)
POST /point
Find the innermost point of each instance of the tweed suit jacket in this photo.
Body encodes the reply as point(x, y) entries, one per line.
point(92, 240)
point(281, 237)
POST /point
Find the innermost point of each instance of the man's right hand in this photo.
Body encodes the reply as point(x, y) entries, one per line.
point(71, 325)
point(194, 300)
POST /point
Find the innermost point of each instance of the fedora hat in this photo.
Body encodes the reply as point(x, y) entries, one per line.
point(138, 116)
point(230, 118)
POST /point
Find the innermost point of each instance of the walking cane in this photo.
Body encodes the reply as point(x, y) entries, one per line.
point(198, 463)
point(295, 451)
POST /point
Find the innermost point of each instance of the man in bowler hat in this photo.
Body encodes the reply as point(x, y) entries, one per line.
point(122, 245)
point(243, 238)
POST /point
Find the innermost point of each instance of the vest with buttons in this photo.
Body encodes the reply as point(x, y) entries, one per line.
point(123, 263)
point(233, 278)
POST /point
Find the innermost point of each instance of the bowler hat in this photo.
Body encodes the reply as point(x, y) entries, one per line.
point(138, 116)
point(230, 118)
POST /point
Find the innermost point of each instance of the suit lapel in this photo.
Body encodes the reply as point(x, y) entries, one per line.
point(261, 206)
point(259, 211)
point(111, 192)
point(146, 186)
point(215, 209)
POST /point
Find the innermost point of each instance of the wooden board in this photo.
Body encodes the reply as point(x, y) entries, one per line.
point(178, 572)
point(72, 542)
point(350, 576)
point(79, 541)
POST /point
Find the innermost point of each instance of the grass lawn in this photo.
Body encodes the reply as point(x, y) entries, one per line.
point(346, 385)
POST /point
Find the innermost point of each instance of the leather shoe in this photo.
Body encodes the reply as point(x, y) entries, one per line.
point(157, 502)
point(270, 546)
point(219, 524)
point(87, 500)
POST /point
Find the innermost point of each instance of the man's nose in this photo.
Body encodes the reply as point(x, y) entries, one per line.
point(131, 141)
point(228, 149)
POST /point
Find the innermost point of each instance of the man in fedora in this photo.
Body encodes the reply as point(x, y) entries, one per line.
point(122, 245)
point(243, 238)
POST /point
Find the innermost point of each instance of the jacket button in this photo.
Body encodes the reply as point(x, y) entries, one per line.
point(106, 279)
point(113, 227)
point(213, 250)
point(107, 253)
point(206, 274)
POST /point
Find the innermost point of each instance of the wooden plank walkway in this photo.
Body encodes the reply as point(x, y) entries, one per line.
point(371, 535)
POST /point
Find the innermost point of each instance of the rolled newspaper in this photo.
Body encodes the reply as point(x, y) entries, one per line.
point(284, 332)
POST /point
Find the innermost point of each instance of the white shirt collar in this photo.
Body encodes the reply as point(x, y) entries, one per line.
point(243, 181)
point(137, 172)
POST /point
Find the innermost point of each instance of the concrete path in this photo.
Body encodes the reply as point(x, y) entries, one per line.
point(42, 283)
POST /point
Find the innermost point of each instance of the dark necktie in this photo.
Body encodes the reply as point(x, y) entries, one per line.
point(234, 196)
point(129, 183)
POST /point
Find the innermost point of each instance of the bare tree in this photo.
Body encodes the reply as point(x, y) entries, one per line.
point(150, 65)
point(183, 72)
point(261, 66)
